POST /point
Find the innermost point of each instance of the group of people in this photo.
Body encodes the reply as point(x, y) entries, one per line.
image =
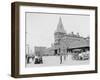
point(34, 59)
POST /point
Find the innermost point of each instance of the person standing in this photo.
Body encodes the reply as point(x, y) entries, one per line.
point(60, 59)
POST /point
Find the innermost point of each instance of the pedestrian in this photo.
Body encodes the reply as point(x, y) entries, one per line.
point(60, 59)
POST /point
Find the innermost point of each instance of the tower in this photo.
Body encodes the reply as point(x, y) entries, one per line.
point(60, 32)
point(58, 35)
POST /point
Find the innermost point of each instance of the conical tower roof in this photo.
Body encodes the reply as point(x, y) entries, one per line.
point(60, 27)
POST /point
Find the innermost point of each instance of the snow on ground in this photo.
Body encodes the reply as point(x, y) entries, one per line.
point(55, 61)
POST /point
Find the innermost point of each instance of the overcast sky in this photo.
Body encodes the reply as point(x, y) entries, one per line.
point(40, 27)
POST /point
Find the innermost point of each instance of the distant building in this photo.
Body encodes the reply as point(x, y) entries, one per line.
point(39, 51)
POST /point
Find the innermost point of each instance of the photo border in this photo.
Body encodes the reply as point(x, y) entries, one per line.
point(15, 32)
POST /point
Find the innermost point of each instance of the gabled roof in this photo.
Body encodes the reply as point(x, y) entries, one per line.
point(60, 27)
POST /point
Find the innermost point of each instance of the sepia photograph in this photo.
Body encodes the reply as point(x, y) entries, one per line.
point(57, 39)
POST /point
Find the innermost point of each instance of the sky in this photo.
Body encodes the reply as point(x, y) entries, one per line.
point(40, 27)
